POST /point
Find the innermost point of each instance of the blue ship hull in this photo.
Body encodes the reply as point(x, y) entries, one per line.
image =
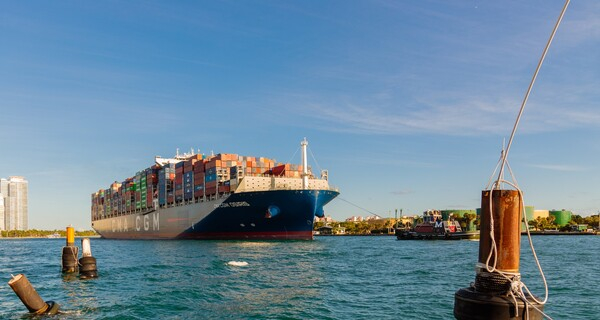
point(276, 214)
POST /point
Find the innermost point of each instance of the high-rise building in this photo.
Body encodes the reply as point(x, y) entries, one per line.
point(2, 212)
point(14, 194)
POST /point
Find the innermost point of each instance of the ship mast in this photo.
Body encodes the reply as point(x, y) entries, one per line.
point(304, 144)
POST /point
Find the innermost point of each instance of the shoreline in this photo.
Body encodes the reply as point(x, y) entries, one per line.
point(15, 238)
point(533, 233)
point(560, 233)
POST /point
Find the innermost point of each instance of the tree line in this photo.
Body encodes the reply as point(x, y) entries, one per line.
point(34, 233)
point(467, 222)
point(549, 223)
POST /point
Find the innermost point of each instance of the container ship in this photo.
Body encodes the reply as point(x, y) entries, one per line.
point(222, 196)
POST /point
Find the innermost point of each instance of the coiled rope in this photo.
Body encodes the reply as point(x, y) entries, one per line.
point(517, 287)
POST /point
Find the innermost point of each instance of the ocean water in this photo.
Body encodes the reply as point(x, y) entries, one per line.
point(328, 278)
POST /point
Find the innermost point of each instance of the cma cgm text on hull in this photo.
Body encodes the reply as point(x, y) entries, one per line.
point(225, 196)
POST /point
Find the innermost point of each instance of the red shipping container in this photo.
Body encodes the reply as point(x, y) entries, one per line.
point(279, 170)
point(211, 191)
point(199, 167)
point(215, 163)
point(210, 184)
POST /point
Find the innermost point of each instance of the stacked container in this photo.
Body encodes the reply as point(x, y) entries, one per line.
point(129, 191)
point(151, 185)
point(116, 200)
point(187, 180)
point(199, 175)
point(143, 190)
point(166, 177)
point(179, 182)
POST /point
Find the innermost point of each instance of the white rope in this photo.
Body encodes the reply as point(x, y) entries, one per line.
point(514, 278)
point(537, 70)
point(517, 285)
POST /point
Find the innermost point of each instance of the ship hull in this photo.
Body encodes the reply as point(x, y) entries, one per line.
point(276, 214)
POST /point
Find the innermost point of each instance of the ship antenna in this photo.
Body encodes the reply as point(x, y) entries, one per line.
point(304, 144)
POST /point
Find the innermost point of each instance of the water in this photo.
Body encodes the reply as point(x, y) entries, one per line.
point(328, 278)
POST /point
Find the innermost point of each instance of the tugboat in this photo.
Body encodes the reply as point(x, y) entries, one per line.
point(434, 227)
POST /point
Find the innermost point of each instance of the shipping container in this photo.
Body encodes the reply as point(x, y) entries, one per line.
point(209, 191)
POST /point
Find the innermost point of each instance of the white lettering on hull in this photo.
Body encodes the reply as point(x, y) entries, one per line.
point(155, 222)
point(234, 204)
point(142, 223)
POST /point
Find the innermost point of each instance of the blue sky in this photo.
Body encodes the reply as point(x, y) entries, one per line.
point(406, 103)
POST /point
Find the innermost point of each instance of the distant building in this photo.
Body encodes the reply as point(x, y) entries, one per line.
point(355, 219)
point(324, 219)
point(540, 214)
point(14, 208)
point(1, 212)
point(407, 221)
point(326, 230)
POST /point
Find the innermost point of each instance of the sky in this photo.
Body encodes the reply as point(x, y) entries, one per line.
point(405, 103)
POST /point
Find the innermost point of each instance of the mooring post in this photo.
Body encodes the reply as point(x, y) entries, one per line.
point(491, 297)
point(87, 261)
point(70, 253)
point(30, 298)
point(505, 207)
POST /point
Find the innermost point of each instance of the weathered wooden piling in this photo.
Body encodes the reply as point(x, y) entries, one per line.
point(30, 298)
